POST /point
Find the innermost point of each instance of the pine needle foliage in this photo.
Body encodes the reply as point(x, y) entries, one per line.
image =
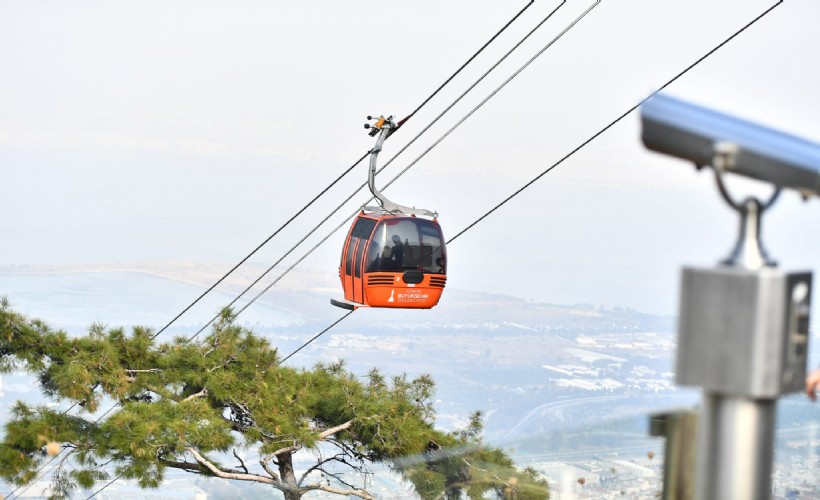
point(191, 405)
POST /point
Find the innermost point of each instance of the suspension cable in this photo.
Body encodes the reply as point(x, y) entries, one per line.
point(582, 145)
point(492, 94)
point(346, 200)
point(616, 120)
point(322, 192)
point(329, 234)
point(283, 226)
point(401, 122)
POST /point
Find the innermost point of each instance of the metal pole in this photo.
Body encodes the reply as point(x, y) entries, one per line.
point(743, 326)
point(735, 448)
point(736, 433)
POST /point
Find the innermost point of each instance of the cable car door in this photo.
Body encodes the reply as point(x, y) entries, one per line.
point(352, 267)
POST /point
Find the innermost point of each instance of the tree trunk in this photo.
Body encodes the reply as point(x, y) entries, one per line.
point(288, 477)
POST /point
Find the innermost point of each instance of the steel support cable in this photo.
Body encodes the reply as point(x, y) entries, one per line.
point(345, 221)
point(346, 200)
point(498, 89)
point(465, 64)
point(321, 193)
point(584, 144)
point(618, 119)
point(316, 336)
point(283, 226)
point(208, 291)
point(104, 487)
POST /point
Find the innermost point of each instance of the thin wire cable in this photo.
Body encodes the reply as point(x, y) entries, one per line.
point(497, 89)
point(616, 120)
point(283, 226)
point(607, 127)
point(468, 115)
point(401, 122)
point(104, 487)
point(31, 485)
point(339, 207)
point(321, 193)
point(315, 337)
point(584, 144)
point(492, 94)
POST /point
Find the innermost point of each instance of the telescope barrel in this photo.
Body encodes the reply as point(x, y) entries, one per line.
point(693, 132)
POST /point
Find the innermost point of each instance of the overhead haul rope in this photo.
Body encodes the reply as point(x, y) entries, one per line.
point(615, 121)
point(343, 174)
point(401, 122)
point(345, 221)
point(581, 146)
point(339, 207)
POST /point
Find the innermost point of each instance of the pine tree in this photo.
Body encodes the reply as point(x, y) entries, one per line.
point(190, 405)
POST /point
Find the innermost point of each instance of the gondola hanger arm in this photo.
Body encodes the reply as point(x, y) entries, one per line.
point(383, 127)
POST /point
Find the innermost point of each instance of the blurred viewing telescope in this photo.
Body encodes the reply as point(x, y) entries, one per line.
point(743, 327)
point(695, 133)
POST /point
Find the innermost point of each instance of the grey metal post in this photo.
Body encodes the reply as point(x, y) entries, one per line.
point(743, 330)
point(743, 326)
point(736, 434)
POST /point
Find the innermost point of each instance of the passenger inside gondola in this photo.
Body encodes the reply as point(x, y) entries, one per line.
point(396, 253)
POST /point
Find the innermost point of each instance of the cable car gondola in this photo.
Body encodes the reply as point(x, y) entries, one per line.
point(393, 256)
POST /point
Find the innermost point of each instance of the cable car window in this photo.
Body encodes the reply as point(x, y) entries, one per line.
point(361, 231)
point(363, 228)
point(349, 257)
point(433, 253)
point(359, 253)
point(406, 243)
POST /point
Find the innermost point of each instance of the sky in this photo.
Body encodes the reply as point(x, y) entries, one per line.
point(189, 131)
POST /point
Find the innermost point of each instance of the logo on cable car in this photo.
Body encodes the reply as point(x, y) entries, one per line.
point(411, 296)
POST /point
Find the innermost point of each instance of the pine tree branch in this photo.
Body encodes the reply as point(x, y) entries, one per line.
point(264, 463)
point(289, 449)
point(188, 466)
point(334, 430)
point(239, 476)
point(349, 450)
point(338, 491)
point(200, 394)
point(318, 466)
point(241, 462)
point(337, 477)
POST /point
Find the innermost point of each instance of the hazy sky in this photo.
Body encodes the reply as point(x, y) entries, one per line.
point(190, 130)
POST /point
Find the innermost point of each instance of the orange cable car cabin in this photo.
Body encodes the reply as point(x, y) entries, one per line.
point(392, 257)
point(393, 261)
